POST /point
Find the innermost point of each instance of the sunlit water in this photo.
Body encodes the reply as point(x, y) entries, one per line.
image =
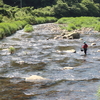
point(46, 57)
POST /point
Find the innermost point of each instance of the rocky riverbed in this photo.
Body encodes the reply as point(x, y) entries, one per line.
point(45, 68)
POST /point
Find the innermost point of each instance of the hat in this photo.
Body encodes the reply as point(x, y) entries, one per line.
point(84, 42)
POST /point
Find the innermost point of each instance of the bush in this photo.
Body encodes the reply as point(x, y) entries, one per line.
point(50, 19)
point(40, 20)
point(43, 12)
point(28, 28)
point(11, 49)
point(1, 18)
point(6, 29)
point(2, 34)
point(20, 24)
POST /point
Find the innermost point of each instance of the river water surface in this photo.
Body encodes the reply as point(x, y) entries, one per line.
point(37, 53)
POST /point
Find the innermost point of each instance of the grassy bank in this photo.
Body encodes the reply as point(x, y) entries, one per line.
point(7, 28)
point(73, 23)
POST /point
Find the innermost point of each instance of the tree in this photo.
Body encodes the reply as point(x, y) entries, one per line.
point(1, 2)
point(93, 10)
point(61, 10)
point(71, 2)
point(75, 11)
point(79, 10)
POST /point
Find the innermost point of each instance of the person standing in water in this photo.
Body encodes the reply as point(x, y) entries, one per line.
point(85, 46)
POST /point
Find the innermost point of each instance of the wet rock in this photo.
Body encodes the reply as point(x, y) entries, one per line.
point(74, 35)
point(62, 34)
point(5, 49)
point(5, 52)
point(98, 50)
point(80, 39)
point(21, 62)
point(58, 51)
point(58, 37)
point(68, 68)
point(71, 35)
point(92, 44)
point(36, 79)
point(65, 36)
point(71, 51)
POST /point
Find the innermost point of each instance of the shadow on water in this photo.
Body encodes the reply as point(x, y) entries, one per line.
point(73, 76)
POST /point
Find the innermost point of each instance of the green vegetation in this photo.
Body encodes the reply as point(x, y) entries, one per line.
point(11, 49)
point(73, 23)
point(41, 20)
point(1, 2)
point(98, 94)
point(14, 16)
point(6, 29)
point(28, 28)
point(55, 8)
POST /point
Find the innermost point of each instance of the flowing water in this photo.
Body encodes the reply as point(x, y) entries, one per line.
point(37, 53)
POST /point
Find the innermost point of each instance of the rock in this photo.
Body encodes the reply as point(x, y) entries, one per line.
point(72, 35)
point(36, 79)
point(58, 51)
point(5, 52)
point(21, 62)
point(62, 34)
point(5, 49)
point(93, 44)
point(75, 35)
point(98, 50)
point(68, 68)
point(65, 36)
point(71, 51)
point(80, 39)
point(58, 37)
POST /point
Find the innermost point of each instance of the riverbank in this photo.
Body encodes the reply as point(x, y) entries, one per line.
point(7, 29)
point(65, 25)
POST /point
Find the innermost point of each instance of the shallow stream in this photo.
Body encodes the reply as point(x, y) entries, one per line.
point(37, 53)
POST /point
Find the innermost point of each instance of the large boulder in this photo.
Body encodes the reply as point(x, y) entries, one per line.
point(68, 35)
point(72, 35)
point(36, 79)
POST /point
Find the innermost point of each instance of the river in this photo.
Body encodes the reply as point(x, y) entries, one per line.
point(73, 76)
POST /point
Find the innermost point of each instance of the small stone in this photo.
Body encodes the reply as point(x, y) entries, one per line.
point(98, 50)
point(80, 39)
point(21, 62)
point(68, 68)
